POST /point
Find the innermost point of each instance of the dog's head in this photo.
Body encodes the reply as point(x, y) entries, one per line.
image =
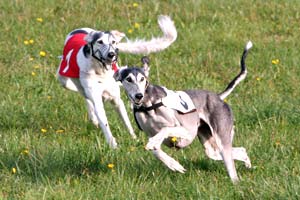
point(134, 80)
point(104, 45)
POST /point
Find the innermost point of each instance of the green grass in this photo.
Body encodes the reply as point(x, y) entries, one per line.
point(211, 37)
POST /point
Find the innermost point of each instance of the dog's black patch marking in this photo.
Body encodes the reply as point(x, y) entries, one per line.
point(131, 70)
point(78, 31)
point(96, 36)
point(86, 51)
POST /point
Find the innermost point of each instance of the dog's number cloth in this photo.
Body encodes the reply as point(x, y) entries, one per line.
point(68, 66)
point(178, 100)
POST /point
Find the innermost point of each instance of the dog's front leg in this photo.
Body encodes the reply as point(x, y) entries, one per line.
point(177, 131)
point(170, 162)
point(123, 113)
point(93, 92)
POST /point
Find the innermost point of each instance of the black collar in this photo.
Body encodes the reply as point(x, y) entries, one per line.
point(145, 110)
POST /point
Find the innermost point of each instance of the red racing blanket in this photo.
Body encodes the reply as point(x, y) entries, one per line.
point(68, 66)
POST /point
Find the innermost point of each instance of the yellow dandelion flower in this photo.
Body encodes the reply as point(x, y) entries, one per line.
point(277, 143)
point(36, 67)
point(136, 25)
point(225, 100)
point(33, 73)
point(174, 139)
point(275, 61)
point(60, 131)
point(31, 41)
point(13, 170)
point(42, 53)
point(135, 5)
point(49, 97)
point(26, 42)
point(39, 19)
point(25, 152)
point(44, 130)
point(130, 31)
point(132, 149)
point(110, 166)
point(31, 59)
point(258, 78)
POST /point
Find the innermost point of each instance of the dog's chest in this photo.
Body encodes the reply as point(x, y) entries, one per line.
point(153, 121)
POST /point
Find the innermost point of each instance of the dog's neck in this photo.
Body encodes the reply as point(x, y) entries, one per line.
point(152, 98)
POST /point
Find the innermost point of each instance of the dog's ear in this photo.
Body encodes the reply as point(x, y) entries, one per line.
point(145, 60)
point(118, 35)
point(92, 36)
point(117, 75)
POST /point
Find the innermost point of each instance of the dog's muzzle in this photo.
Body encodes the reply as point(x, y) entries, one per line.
point(138, 98)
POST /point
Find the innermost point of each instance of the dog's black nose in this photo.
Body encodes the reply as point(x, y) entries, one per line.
point(139, 96)
point(111, 54)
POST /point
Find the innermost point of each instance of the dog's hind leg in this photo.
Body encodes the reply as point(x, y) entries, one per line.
point(240, 153)
point(70, 83)
point(75, 85)
point(217, 149)
point(229, 163)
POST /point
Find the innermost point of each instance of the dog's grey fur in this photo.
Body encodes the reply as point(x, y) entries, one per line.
point(212, 121)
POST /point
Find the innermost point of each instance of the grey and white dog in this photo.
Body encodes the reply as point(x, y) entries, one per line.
point(176, 118)
point(89, 61)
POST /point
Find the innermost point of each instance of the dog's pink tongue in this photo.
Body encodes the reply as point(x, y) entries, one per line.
point(115, 66)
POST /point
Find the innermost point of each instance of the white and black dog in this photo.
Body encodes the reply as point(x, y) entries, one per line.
point(90, 60)
point(176, 118)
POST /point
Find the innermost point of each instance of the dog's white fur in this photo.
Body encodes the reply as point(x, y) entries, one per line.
point(96, 74)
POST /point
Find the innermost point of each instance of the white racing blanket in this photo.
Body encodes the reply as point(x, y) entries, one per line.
point(178, 100)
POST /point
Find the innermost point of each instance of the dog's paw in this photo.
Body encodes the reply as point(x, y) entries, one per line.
point(133, 136)
point(113, 144)
point(175, 166)
point(248, 163)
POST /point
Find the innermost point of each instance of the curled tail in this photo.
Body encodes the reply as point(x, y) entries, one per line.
point(241, 76)
point(156, 43)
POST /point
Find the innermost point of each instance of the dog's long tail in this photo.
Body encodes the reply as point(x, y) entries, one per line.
point(156, 43)
point(240, 77)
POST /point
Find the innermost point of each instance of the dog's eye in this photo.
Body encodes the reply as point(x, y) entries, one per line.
point(113, 42)
point(100, 42)
point(143, 78)
point(128, 79)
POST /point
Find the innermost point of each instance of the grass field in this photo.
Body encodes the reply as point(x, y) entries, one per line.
point(50, 150)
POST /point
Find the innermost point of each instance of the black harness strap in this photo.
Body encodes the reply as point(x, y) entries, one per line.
point(145, 110)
